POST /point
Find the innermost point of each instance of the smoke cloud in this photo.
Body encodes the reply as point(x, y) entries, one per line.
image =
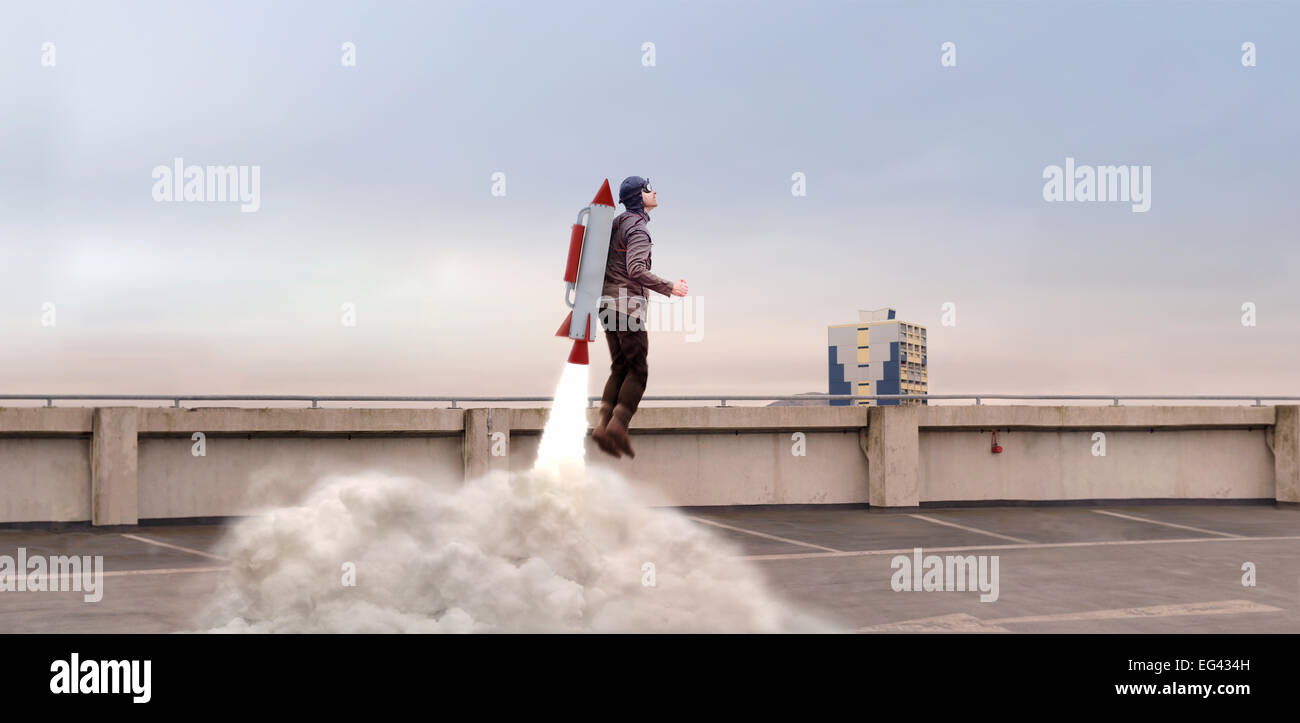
point(562, 547)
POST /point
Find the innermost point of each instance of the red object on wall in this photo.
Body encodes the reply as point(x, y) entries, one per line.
point(997, 448)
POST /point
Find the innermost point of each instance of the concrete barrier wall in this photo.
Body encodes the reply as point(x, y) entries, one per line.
point(1060, 465)
point(729, 468)
point(238, 475)
point(45, 457)
point(44, 479)
point(117, 465)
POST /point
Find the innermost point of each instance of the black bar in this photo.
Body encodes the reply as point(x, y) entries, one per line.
point(662, 675)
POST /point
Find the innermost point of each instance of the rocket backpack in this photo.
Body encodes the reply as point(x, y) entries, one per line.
point(584, 272)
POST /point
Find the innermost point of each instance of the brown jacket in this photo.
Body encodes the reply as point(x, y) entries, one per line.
point(628, 266)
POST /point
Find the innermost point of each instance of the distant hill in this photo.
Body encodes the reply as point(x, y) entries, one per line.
point(802, 402)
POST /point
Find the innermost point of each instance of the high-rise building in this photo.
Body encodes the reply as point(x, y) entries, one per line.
point(878, 355)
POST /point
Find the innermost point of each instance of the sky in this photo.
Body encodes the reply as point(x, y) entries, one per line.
point(923, 186)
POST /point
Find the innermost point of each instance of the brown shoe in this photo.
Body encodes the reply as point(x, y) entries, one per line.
point(600, 434)
point(616, 430)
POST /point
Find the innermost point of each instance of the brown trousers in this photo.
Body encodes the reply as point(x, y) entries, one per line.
point(628, 369)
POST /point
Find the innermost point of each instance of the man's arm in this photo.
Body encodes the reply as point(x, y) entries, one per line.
point(638, 268)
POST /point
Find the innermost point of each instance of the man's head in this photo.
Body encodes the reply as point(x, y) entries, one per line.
point(636, 193)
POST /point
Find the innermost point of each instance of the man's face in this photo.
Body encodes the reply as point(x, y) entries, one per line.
point(650, 199)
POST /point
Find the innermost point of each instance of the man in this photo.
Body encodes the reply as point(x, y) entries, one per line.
point(623, 311)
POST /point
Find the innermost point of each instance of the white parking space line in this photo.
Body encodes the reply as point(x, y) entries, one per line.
point(167, 571)
point(1221, 607)
point(168, 545)
point(972, 529)
point(1166, 524)
point(31, 577)
point(964, 623)
point(765, 535)
point(1031, 546)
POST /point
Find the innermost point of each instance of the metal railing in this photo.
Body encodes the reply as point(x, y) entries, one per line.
point(315, 400)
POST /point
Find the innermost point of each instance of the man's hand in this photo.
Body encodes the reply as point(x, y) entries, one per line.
point(679, 288)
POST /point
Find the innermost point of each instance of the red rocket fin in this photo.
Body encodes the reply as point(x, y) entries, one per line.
point(579, 353)
point(603, 197)
point(564, 328)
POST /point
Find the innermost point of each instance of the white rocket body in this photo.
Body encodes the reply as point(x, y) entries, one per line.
point(584, 277)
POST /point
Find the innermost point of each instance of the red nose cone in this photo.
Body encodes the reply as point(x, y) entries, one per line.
point(579, 353)
point(603, 196)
